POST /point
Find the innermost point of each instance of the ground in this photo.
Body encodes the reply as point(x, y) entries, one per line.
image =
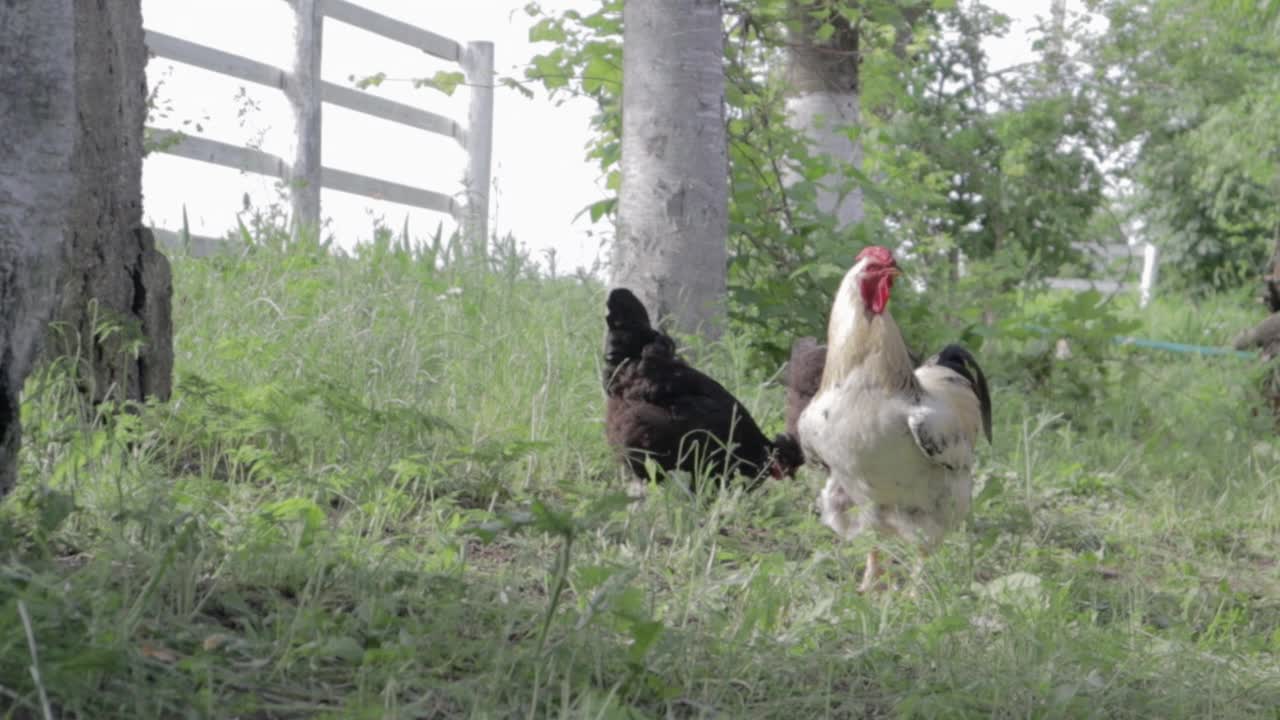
point(381, 490)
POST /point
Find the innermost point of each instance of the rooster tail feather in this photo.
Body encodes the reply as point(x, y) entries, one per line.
point(963, 363)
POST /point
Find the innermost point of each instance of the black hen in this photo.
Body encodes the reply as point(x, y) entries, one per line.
point(661, 407)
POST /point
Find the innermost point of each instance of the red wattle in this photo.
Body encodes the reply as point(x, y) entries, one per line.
point(875, 293)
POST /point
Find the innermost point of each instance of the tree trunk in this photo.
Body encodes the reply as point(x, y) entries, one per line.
point(72, 246)
point(674, 199)
point(115, 288)
point(37, 112)
point(824, 104)
point(1055, 59)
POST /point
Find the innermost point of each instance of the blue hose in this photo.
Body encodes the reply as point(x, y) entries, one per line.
point(1183, 347)
point(1201, 350)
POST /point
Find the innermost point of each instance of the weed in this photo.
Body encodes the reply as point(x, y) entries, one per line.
point(381, 490)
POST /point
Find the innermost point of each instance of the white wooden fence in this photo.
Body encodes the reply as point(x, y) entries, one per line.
point(306, 92)
point(1113, 260)
point(1117, 257)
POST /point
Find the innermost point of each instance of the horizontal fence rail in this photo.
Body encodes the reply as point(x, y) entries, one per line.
point(218, 153)
point(1083, 284)
point(306, 91)
point(194, 245)
point(261, 163)
point(225, 63)
point(402, 32)
point(1116, 261)
point(1147, 253)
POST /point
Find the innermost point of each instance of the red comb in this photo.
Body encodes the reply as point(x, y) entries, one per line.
point(879, 255)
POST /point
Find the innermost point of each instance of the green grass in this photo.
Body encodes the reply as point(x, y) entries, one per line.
point(381, 491)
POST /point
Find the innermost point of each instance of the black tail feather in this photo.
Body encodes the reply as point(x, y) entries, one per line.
point(626, 312)
point(629, 331)
point(960, 360)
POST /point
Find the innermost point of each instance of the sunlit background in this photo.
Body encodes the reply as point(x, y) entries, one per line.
point(541, 180)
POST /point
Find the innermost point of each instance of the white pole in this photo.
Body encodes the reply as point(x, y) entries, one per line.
point(303, 89)
point(477, 64)
point(1150, 266)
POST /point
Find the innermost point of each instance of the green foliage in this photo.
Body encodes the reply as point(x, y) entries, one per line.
point(1193, 90)
point(1061, 347)
point(987, 162)
point(957, 158)
point(381, 490)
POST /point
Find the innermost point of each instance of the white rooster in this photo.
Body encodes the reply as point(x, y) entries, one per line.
point(897, 441)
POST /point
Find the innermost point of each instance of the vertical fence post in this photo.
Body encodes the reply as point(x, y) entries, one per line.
point(477, 64)
point(304, 95)
point(1150, 268)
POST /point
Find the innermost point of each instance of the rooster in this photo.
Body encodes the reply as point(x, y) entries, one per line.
point(660, 407)
point(897, 442)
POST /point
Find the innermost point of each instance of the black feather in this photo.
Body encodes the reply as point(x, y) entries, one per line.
point(660, 407)
point(629, 331)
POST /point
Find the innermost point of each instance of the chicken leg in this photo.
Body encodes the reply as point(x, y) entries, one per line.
point(917, 574)
point(871, 576)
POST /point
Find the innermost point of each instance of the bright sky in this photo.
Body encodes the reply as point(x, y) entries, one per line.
point(541, 177)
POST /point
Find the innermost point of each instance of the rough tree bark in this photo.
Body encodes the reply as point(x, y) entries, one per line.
point(72, 246)
point(112, 274)
point(37, 112)
point(823, 103)
point(674, 199)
